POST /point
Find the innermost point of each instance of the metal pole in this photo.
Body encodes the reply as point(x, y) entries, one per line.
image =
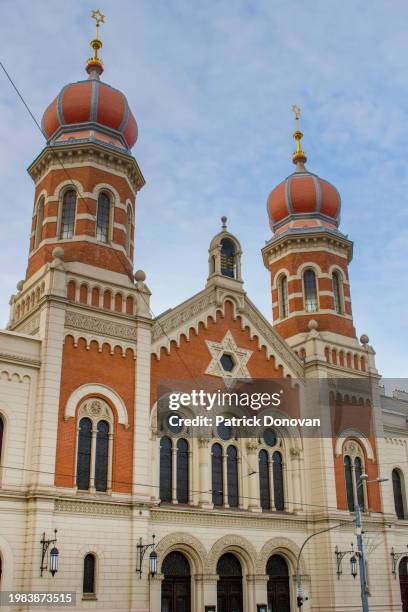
point(361, 559)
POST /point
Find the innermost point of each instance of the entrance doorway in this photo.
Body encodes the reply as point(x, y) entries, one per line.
point(403, 578)
point(278, 584)
point(176, 586)
point(229, 585)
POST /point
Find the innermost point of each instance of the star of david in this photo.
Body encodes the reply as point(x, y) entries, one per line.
point(228, 346)
point(97, 15)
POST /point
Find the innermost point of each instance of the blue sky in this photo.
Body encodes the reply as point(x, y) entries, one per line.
point(211, 85)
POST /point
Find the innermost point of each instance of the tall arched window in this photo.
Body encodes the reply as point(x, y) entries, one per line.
point(88, 587)
point(358, 470)
point(398, 497)
point(264, 485)
point(102, 456)
point(232, 476)
point(68, 214)
point(348, 475)
point(84, 454)
point(128, 229)
point(310, 289)
point(176, 586)
point(103, 218)
point(337, 292)
point(182, 471)
point(227, 258)
point(39, 224)
point(95, 446)
point(217, 475)
point(278, 489)
point(283, 297)
point(166, 469)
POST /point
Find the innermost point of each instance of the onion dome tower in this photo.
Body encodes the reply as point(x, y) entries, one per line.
point(86, 178)
point(308, 256)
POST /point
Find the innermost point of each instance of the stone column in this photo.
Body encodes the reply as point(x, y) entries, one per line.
point(205, 499)
point(253, 478)
point(257, 590)
point(155, 585)
point(209, 589)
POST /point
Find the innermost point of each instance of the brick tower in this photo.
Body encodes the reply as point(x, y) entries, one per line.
point(308, 259)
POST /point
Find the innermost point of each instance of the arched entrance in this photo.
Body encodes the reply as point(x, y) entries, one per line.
point(278, 584)
point(229, 585)
point(176, 586)
point(403, 578)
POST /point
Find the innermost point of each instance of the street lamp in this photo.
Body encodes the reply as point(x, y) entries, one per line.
point(54, 553)
point(360, 542)
point(141, 551)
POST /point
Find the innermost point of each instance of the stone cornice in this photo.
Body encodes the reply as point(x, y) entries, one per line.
point(100, 326)
point(83, 153)
point(282, 245)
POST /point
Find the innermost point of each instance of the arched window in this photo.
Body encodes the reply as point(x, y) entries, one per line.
point(309, 282)
point(166, 469)
point(264, 485)
point(229, 584)
point(176, 586)
point(103, 218)
point(278, 584)
point(217, 475)
point(278, 491)
point(68, 214)
point(95, 446)
point(283, 297)
point(358, 470)
point(128, 229)
point(84, 454)
point(337, 292)
point(39, 224)
point(182, 471)
point(102, 456)
point(228, 565)
point(227, 258)
point(88, 587)
point(232, 476)
point(397, 490)
point(348, 475)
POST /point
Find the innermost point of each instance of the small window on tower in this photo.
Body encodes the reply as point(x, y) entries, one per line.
point(309, 281)
point(227, 362)
point(283, 297)
point(337, 292)
point(68, 214)
point(103, 218)
point(228, 258)
point(39, 224)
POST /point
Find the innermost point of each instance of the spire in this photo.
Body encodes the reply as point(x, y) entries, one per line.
point(299, 157)
point(224, 224)
point(94, 65)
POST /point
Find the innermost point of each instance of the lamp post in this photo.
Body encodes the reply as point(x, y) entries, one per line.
point(141, 551)
point(54, 553)
point(360, 542)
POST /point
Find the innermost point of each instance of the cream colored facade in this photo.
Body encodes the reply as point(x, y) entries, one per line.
point(110, 525)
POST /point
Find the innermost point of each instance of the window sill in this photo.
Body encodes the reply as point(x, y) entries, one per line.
point(89, 597)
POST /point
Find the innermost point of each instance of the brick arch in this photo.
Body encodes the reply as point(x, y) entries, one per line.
point(280, 546)
point(245, 551)
point(186, 544)
point(357, 435)
point(101, 390)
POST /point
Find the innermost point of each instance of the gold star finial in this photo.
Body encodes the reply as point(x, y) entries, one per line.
point(94, 64)
point(299, 156)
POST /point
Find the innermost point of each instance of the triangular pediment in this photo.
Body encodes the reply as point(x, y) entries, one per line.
point(189, 316)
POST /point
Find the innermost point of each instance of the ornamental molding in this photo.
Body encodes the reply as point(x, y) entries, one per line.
point(185, 543)
point(237, 544)
point(227, 519)
point(396, 441)
point(178, 322)
point(100, 340)
point(19, 359)
point(100, 326)
point(96, 509)
point(31, 327)
point(284, 546)
point(97, 391)
point(240, 357)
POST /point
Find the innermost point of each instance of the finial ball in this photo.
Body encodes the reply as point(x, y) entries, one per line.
point(140, 276)
point(224, 222)
point(364, 339)
point(313, 324)
point(58, 253)
point(20, 285)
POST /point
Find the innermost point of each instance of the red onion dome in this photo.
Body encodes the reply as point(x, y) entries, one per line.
point(90, 109)
point(303, 200)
